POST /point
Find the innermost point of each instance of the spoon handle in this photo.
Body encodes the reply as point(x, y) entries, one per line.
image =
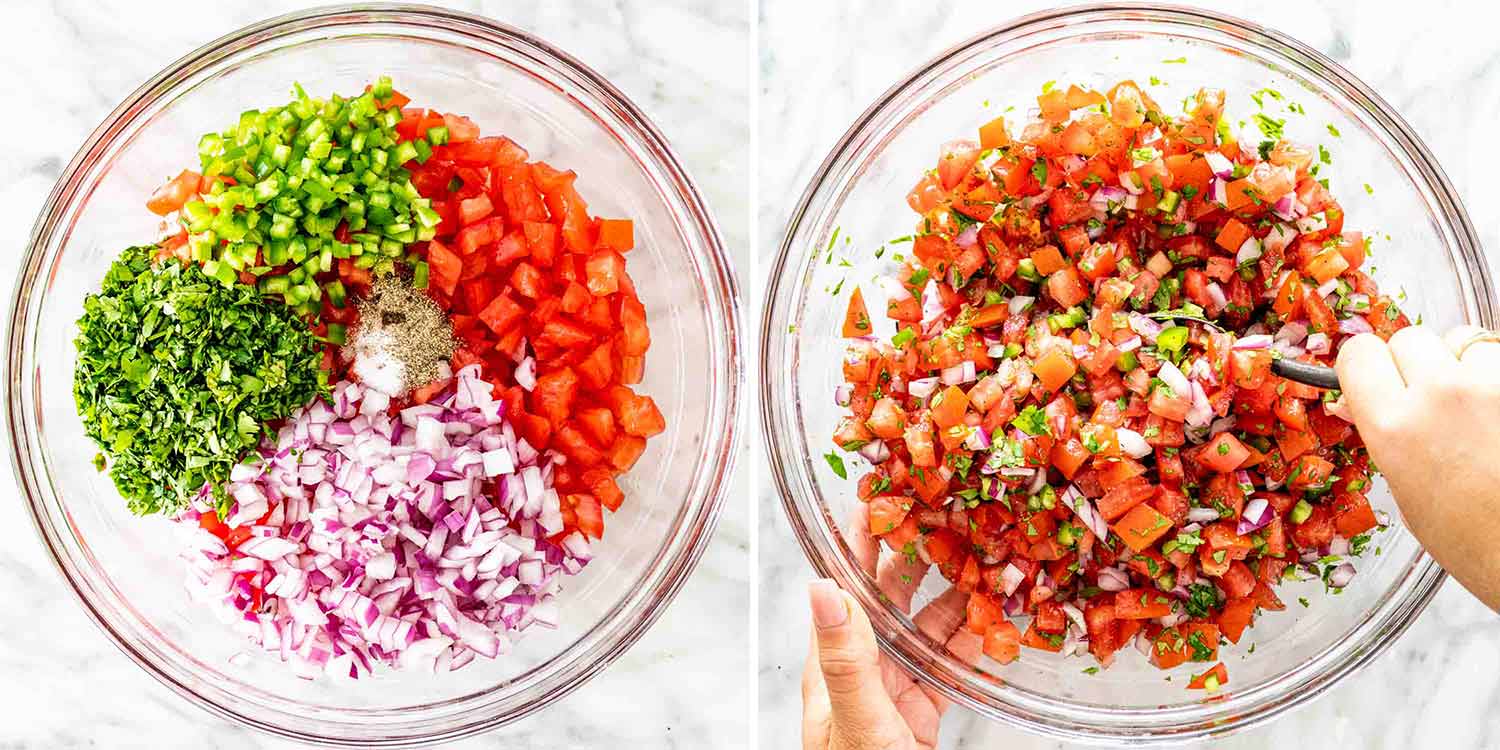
point(1316, 376)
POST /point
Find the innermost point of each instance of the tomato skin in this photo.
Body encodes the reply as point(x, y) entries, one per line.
point(175, 193)
point(1223, 453)
point(957, 158)
point(1066, 287)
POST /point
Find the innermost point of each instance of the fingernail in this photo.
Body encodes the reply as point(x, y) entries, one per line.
point(828, 608)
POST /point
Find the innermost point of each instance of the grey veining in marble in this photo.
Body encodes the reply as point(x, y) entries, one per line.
point(62, 685)
point(1438, 686)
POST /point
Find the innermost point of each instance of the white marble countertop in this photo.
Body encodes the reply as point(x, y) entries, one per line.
point(1438, 686)
point(62, 684)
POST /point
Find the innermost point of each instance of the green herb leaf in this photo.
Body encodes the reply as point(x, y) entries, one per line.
point(1032, 421)
point(178, 374)
point(836, 463)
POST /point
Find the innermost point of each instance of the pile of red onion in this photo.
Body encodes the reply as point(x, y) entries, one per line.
point(416, 540)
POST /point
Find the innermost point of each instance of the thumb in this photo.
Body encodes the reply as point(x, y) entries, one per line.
point(863, 713)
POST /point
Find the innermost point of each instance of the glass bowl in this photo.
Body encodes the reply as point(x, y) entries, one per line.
point(856, 203)
point(124, 569)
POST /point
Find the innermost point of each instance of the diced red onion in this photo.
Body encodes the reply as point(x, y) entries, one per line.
point(1338, 546)
point(978, 440)
point(1019, 304)
point(922, 387)
point(1328, 287)
point(875, 451)
point(1255, 516)
point(1318, 343)
point(1285, 207)
point(526, 373)
point(1292, 333)
point(963, 372)
point(1129, 345)
point(1202, 412)
point(893, 288)
point(1038, 481)
point(1133, 443)
point(1085, 511)
point(1177, 615)
point(1340, 576)
point(1108, 199)
point(1112, 579)
point(967, 238)
point(1253, 342)
point(1250, 250)
point(1075, 615)
point(1355, 325)
point(1143, 644)
point(1174, 378)
point(1132, 184)
point(1011, 578)
point(399, 556)
point(843, 394)
point(1014, 605)
point(1313, 223)
point(1222, 424)
point(1032, 201)
point(1280, 236)
point(1218, 191)
point(1147, 328)
point(932, 304)
point(1219, 164)
point(1216, 295)
point(1358, 302)
point(1202, 515)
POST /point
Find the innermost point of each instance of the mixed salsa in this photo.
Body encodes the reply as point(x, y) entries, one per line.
point(1069, 409)
point(380, 371)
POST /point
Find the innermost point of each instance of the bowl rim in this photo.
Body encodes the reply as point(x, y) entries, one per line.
point(786, 464)
point(696, 219)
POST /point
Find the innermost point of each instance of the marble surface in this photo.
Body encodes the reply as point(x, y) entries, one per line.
point(1436, 687)
point(62, 685)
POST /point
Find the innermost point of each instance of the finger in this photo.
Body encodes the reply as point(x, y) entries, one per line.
point(863, 544)
point(899, 578)
point(1479, 358)
point(942, 616)
point(942, 620)
point(816, 713)
point(849, 661)
point(1368, 378)
point(1422, 357)
point(964, 646)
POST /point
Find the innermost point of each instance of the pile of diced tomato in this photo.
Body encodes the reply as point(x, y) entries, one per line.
point(525, 272)
point(1022, 295)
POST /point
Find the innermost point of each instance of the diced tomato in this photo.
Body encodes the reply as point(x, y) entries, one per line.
point(175, 194)
point(1002, 642)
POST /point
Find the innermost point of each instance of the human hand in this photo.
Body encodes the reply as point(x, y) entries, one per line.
point(1428, 409)
point(853, 696)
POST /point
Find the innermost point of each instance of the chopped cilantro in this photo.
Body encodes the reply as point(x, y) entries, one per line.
point(836, 463)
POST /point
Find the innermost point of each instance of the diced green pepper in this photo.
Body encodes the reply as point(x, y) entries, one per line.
point(1172, 339)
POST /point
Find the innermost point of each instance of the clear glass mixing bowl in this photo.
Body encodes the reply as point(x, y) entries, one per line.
point(123, 568)
point(1432, 252)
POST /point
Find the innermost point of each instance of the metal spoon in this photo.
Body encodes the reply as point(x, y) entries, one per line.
point(1317, 376)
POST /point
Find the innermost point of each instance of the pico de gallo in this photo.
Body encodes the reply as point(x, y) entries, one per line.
point(415, 473)
point(1075, 419)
